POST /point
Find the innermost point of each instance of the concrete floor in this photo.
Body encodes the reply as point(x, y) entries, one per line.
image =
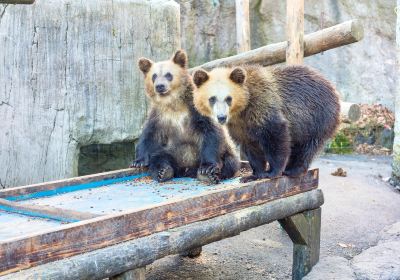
point(356, 208)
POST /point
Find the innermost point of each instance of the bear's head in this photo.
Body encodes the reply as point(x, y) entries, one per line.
point(165, 80)
point(221, 93)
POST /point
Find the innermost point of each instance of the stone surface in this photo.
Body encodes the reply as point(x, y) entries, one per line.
point(332, 268)
point(363, 74)
point(379, 262)
point(390, 233)
point(68, 78)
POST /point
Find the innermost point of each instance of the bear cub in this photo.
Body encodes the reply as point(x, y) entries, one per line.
point(281, 115)
point(177, 140)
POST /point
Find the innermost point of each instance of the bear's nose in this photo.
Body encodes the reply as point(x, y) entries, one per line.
point(160, 88)
point(221, 119)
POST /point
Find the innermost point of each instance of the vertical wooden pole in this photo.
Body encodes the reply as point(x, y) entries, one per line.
point(395, 180)
point(304, 230)
point(242, 26)
point(295, 31)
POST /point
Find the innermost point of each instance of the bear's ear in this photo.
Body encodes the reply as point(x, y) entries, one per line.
point(145, 65)
point(238, 75)
point(180, 58)
point(200, 77)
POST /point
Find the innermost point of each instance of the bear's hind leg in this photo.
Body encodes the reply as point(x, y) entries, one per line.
point(162, 166)
point(300, 158)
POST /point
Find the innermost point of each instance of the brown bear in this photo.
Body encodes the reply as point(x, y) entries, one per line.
point(280, 115)
point(176, 140)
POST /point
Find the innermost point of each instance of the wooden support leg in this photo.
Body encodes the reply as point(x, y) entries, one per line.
point(192, 253)
point(304, 230)
point(134, 274)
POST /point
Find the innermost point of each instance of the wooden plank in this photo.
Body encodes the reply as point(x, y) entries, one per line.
point(242, 26)
point(295, 31)
point(96, 180)
point(77, 238)
point(329, 38)
point(46, 212)
point(113, 260)
point(304, 230)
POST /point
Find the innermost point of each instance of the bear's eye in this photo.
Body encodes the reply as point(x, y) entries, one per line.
point(168, 76)
point(154, 77)
point(228, 100)
point(212, 100)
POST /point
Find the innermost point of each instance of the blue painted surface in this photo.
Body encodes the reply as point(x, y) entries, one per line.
point(36, 214)
point(73, 188)
point(129, 195)
point(14, 225)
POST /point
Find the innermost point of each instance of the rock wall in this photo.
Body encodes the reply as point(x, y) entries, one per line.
point(68, 78)
point(363, 72)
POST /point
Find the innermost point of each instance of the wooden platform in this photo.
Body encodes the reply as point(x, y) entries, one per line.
point(52, 221)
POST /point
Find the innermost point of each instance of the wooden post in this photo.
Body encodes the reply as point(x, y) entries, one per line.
point(134, 274)
point(304, 230)
point(295, 31)
point(242, 26)
point(395, 180)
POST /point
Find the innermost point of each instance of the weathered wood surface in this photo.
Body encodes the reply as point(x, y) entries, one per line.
point(350, 111)
point(295, 31)
point(329, 38)
point(304, 230)
point(396, 145)
point(69, 78)
point(140, 252)
point(54, 185)
point(242, 25)
point(100, 232)
point(17, 1)
point(46, 212)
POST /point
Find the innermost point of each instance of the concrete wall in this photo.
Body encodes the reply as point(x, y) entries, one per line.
point(68, 78)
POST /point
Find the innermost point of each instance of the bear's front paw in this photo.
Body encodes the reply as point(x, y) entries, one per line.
point(138, 163)
point(165, 173)
point(209, 173)
point(295, 172)
point(259, 176)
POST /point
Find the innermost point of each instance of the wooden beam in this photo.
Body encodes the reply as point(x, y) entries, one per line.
point(304, 230)
point(105, 177)
point(80, 237)
point(137, 253)
point(46, 212)
point(242, 26)
point(329, 38)
point(350, 111)
point(295, 31)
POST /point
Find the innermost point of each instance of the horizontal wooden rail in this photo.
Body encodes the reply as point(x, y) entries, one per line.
point(329, 38)
point(113, 260)
point(45, 212)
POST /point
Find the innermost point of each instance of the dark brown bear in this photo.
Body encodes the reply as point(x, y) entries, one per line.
point(281, 115)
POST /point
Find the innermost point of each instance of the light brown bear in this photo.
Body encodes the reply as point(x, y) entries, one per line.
point(281, 115)
point(176, 139)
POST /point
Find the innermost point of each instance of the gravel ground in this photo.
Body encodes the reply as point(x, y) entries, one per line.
point(356, 209)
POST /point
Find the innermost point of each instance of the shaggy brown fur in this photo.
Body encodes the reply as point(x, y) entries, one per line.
point(177, 140)
point(280, 115)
